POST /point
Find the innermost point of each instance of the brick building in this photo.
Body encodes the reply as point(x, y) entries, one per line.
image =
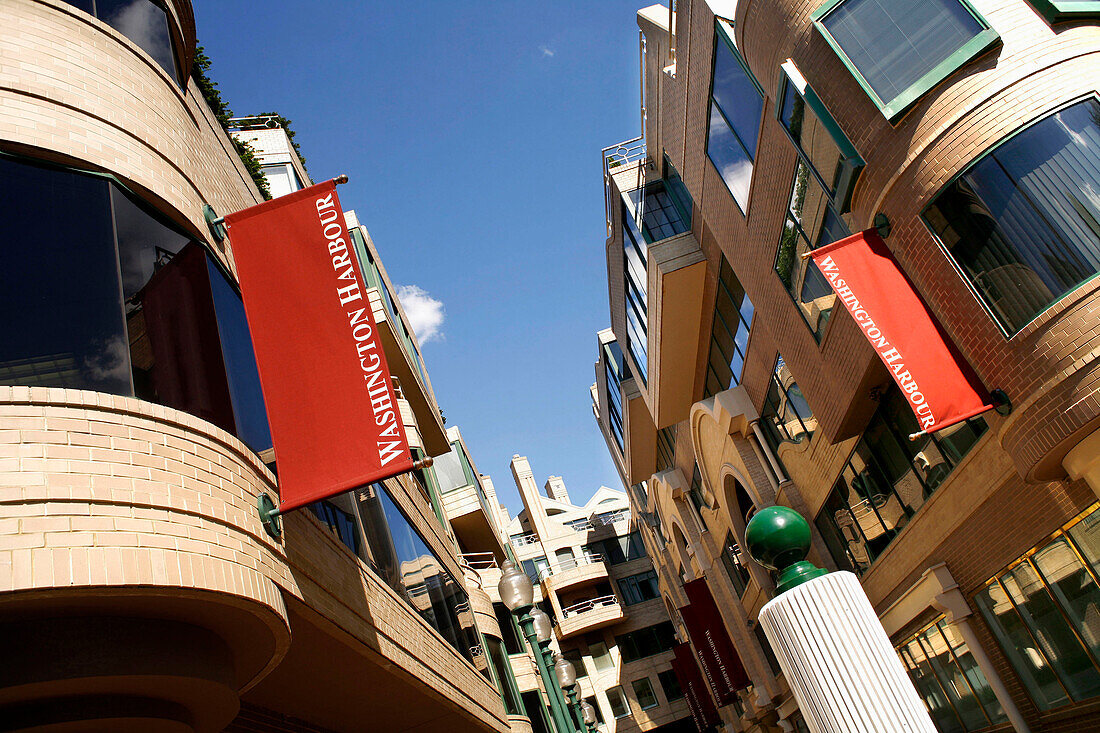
point(731, 379)
point(138, 589)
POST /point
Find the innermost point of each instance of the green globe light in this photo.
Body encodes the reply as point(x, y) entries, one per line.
point(778, 538)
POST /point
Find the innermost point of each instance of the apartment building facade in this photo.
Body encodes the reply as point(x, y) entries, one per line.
point(593, 577)
point(138, 588)
point(966, 133)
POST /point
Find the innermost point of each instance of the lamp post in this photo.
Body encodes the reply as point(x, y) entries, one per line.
point(518, 594)
point(832, 649)
point(567, 679)
point(544, 632)
point(589, 714)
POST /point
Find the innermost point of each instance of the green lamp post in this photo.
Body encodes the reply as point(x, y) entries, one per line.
point(567, 680)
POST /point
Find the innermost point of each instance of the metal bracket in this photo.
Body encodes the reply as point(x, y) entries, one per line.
point(215, 222)
point(1001, 403)
point(269, 515)
point(882, 225)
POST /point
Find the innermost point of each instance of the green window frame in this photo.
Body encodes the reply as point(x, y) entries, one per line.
point(806, 108)
point(1056, 11)
point(893, 108)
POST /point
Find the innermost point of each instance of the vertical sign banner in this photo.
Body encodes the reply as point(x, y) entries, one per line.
point(939, 385)
point(717, 656)
point(333, 412)
point(703, 710)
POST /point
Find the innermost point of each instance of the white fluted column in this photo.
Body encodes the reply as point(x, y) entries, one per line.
point(838, 661)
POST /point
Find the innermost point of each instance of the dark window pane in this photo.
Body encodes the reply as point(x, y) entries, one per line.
point(893, 44)
point(737, 96)
point(67, 298)
point(1024, 222)
point(144, 23)
point(670, 684)
point(512, 703)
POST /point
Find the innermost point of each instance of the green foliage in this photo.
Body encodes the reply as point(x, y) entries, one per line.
point(209, 89)
point(285, 124)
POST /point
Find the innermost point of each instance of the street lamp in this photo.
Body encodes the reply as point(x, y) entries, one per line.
point(567, 679)
point(589, 714)
point(518, 594)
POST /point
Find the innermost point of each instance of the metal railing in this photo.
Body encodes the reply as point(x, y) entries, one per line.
point(614, 156)
point(589, 605)
point(576, 562)
point(598, 520)
point(255, 122)
point(479, 560)
point(522, 540)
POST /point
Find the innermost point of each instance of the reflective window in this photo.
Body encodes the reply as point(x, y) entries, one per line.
point(1058, 10)
point(953, 687)
point(735, 109)
point(282, 179)
point(1023, 223)
point(601, 657)
point(729, 332)
point(887, 479)
point(734, 561)
point(617, 700)
point(618, 549)
point(450, 471)
point(643, 693)
point(666, 448)
point(811, 222)
point(113, 300)
point(819, 140)
point(1044, 610)
point(510, 636)
point(785, 416)
point(639, 588)
point(646, 642)
point(900, 49)
point(142, 21)
point(577, 659)
point(535, 568)
point(502, 670)
point(615, 370)
point(636, 285)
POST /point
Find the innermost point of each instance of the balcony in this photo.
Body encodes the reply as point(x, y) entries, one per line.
point(588, 570)
point(522, 540)
point(467, 511)
point(590, 615)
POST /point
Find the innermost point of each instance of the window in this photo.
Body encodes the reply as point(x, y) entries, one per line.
point(785, 416)
point(766, 647)
point(535, 568)
point(113, 300)
point(619, 706)
point(574, 656)
point(899, 50)
point(953, 687)
point(595, 706)
point(639, 588)
point(887, 479)
point(733, 560)
point(1023, 223)
point(679, 193)
point(729, 333)
point(508, 633)
point(503, 672)
point(811, 222)
point(819, 140)
point(1044, 609)
point(670, 683)
point(601, 657)
point(666, 448)
point(615, 370)
point(452, 470)
point(646, 642)
point(143, 22)
point(736, 105)
point(618, 549)
point(635, 286)
point(1058, 10)
point(643, 693)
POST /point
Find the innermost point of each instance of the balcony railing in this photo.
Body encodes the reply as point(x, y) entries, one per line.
point(624, 153)
point(521, 540)
point(598, 520)
point(561, 567)
point(590, 605)
point(479, 560)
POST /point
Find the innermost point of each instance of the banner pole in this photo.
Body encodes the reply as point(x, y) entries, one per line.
point(342, 178)
point(1000, 402)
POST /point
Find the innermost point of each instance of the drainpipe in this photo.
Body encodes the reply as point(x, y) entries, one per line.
point(761, 446)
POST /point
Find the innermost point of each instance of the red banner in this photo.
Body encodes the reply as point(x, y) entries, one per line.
point(940, 387)
point(703, 710)
point(717, 656)
point(333, 412)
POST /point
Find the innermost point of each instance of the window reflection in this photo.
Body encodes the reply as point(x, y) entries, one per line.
point(729, 333)
point(142, 21)
point(735, 110)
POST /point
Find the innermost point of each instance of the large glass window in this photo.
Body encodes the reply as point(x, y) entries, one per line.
point(670, 683)
point(508, 633)
point(887, 479)
point(502, 670)
point(736, 105)
point(643, 693)
point(617, 550)
point(615, 370)
point(898, 50)
point(639, 588)
point(811, 222)
point(666, 448)
point(636, 286)
point(729, 333)
point(451, 470)
point(142, 21)
point(785, 416)
point(953, 687)
point(819, 140)
point(646, 642)
point(109, 298)
point(1023, 223)
point(1045, 612)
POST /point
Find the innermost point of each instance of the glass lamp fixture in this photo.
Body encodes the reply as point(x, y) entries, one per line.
point(589, 713)
point(515, 588)
point(544, 627)
point(564, 671)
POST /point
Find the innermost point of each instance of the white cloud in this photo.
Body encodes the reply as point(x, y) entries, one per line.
point(424, 312)
point(546, 51)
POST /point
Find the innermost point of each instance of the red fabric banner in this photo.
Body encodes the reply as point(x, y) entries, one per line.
point(717, 656)
point(702, 707)
point(939, 385)
point(332, 408)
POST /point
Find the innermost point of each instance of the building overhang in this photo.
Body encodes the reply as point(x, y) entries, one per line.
point(641, 434)
point(592, 620)
point(473, 529)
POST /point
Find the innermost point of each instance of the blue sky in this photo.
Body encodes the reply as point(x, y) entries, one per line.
point(471, 134)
